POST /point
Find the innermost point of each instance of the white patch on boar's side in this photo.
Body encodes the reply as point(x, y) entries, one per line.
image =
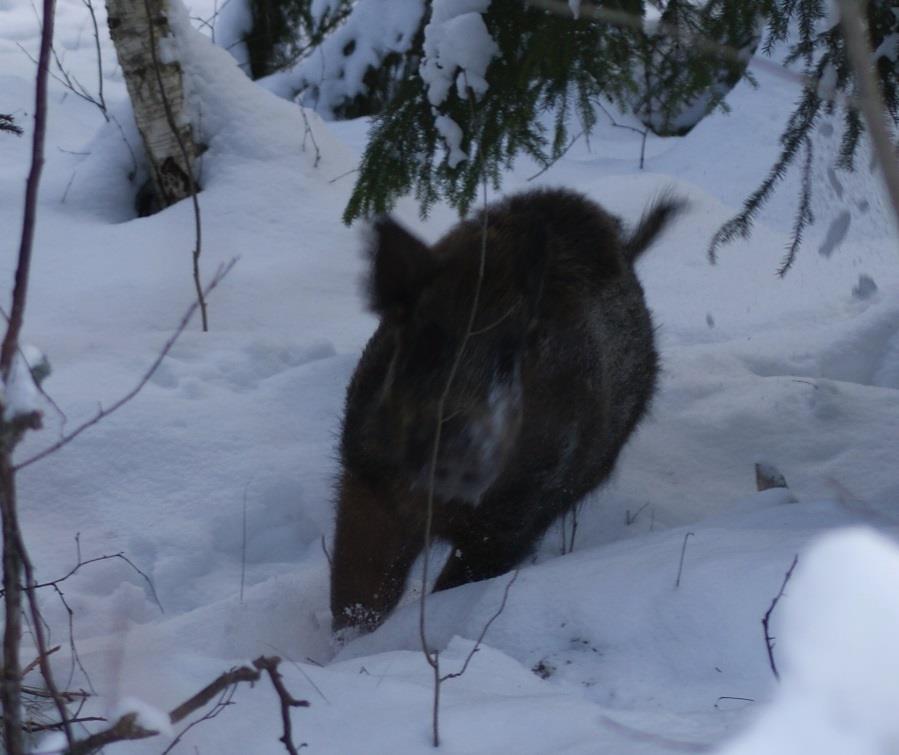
point(468, 466)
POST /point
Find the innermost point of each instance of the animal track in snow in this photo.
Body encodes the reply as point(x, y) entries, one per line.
point(238, 370)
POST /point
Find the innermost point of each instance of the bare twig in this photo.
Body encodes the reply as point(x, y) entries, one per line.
point(39, 637)
point(67, 81)
point(33, 727)
point(737, 699)
point(226, 699)
point(769, 640)
point(128, 728)
point(17, 311)
point(270, 666)
point(167, 347)
point(477, 644)
point(629, 518)
point(680, 566)
point(15, 558)
point(299, 668)
point(76, 87)
point(73, 648)
point(433, 657)
point(34, 664)
point(644, 132)
point(102, 100)
point(568, 540)
point(343, 175)
point(326, 551)
point(556, 158)
point(81, 563)
point(69, 696)
point(308, 132)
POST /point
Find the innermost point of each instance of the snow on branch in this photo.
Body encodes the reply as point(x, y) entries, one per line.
point(135, 724)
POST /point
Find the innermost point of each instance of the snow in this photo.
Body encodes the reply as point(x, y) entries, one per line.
point(458, 48)
point(232, 24)
point(844, 608)
point(145, 716)
point(217, 480)
point(334, 74)
point(452, 135)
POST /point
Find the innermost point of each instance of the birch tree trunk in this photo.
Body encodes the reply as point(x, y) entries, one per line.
point(157, 95)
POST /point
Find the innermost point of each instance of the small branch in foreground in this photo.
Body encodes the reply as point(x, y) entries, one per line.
point(34, 664)
point(226, 699)
point(556, 158)
point(101, 99)
point(568, 541)
point(270, 666)
point(769, 640)
point(69, 696)
point(15, 557)
point(477, 644)
point(644, 132)
point(33, 727)
point(736, 699)
point(308, 132)
point(167, 347)
point(120, 556)
point(127, 727)
point(433, 658)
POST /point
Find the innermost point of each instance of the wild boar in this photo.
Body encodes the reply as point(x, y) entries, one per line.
point(538, 390)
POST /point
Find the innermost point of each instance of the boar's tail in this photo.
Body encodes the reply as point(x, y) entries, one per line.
point(657, 215)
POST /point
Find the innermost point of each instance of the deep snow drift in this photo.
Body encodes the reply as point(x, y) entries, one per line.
point(597, 650)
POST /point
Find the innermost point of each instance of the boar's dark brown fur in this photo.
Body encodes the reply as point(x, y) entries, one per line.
point(557, 371)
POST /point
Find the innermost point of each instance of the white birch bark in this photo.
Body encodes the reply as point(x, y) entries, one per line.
point(157, 94)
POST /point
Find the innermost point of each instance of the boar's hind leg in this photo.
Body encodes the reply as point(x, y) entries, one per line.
point(374, 548)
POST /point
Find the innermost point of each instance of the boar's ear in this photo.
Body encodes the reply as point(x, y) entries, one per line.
point(401, 266)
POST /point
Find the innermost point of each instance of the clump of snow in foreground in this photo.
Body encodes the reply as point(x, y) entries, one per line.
point(217, 480)
point(840, 660)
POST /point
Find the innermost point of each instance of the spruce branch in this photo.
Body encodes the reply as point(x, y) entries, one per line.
point(800, 123)
point(9, 125)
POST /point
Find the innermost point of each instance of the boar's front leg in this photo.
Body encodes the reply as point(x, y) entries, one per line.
point(374, 548)
point(492, 540)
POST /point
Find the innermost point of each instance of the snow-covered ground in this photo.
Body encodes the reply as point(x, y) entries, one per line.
point(596, 651)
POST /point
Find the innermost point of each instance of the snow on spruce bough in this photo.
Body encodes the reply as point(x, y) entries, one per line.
point(556, 371)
